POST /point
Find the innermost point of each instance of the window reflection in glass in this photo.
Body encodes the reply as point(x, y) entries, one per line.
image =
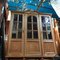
point(47, 20)
point(46, 27)
point(43, 23)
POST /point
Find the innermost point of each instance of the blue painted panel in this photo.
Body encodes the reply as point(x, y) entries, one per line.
point(32, 5)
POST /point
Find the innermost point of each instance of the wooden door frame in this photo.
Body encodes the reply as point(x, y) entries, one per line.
point(26, 15)
point(10, 33)
point(49, 41)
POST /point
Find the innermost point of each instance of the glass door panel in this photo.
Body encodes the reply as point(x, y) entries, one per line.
point(17, 37)
point(46, 27)
point(47, 35)
point(32, 44)
point(17, 27)
point(32, 28)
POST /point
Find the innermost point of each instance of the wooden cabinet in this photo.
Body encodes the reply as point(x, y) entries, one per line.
point(31, 35)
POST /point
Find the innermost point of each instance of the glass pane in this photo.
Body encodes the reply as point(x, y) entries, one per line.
point(34, 19)
point(13, 35)
point(44, 35)
point(29, 34)
point(14, 26)
point(35, 34)
point(49, 35)
point(35, 26)
point(43, 19)
point(20, 17)
point(29, 26)
point(43, 23)
point(29, 19)
point(48, 28)
point(15, 17)
point(47, 21)
point(19, 26)
point(44, 28)
point(19, 34)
